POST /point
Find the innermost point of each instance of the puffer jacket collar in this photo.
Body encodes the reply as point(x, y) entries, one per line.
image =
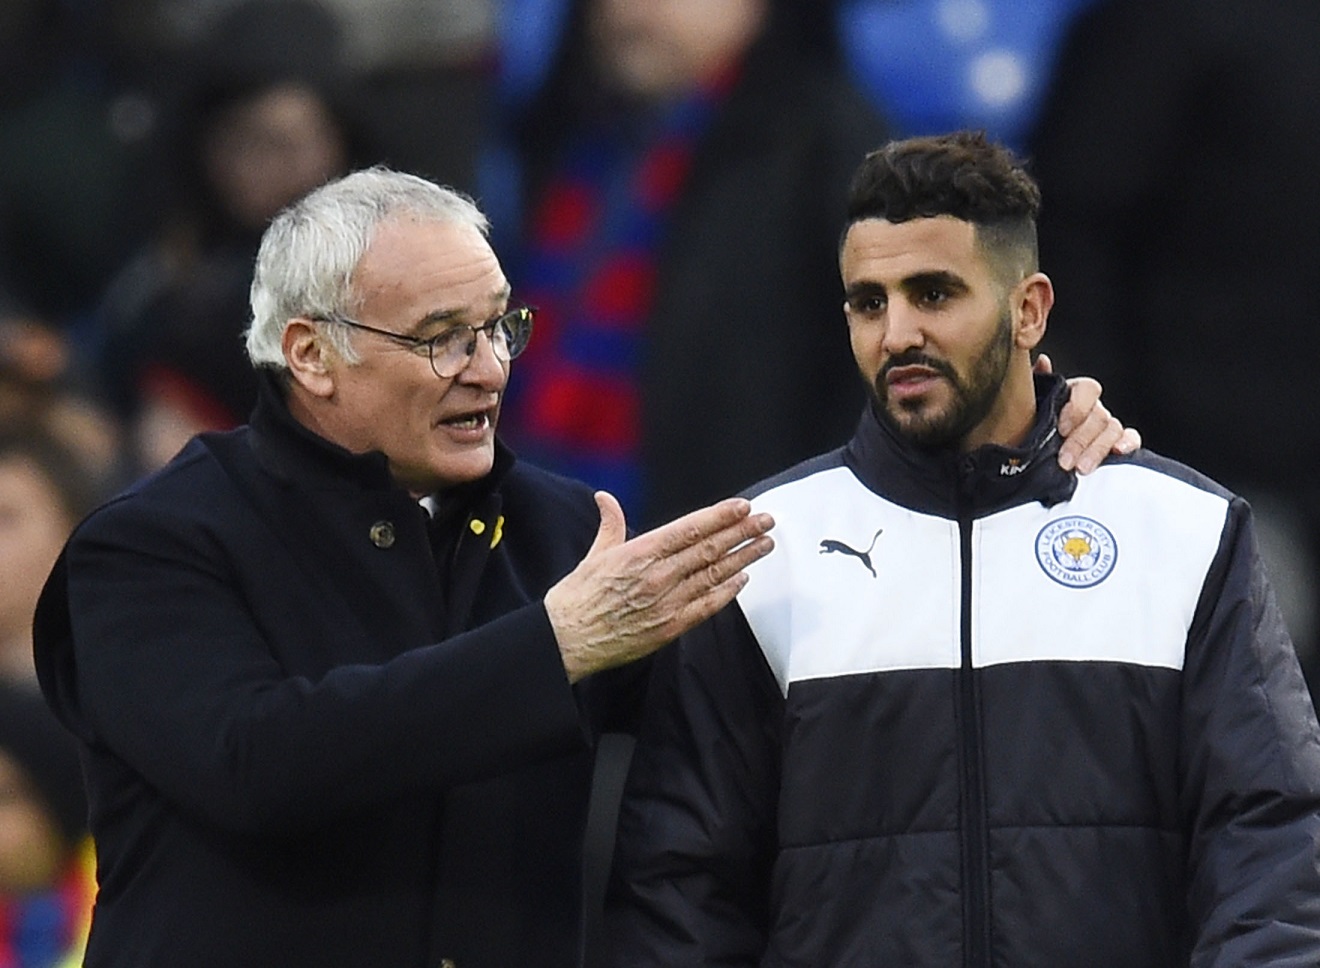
point(946, 482)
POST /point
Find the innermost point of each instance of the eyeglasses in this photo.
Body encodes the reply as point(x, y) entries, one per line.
point(451, 351)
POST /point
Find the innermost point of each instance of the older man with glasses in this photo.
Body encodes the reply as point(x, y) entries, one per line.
point(336, 674)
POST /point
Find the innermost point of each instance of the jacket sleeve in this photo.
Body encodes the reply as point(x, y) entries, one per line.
point(697, 829)
point(150, 653)
point(1251, 784)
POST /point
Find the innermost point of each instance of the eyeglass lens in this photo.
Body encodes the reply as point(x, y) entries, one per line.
point(508, 335)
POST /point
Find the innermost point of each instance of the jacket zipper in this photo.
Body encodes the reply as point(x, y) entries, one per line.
point(975, 864)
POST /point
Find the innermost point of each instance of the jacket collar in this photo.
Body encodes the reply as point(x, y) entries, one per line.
point(981, 482)
point(295, 455)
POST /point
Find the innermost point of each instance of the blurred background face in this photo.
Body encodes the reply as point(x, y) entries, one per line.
point(31, 850)
point(656, 48)
point(266, 151)
point(33, 528)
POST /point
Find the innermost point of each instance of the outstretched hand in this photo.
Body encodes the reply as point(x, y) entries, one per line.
point(1090, 432)
point(627, 598)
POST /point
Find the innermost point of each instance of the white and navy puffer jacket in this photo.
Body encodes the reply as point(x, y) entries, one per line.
point(975, 711)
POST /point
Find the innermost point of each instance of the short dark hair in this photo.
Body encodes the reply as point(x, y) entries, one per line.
point(963, 174)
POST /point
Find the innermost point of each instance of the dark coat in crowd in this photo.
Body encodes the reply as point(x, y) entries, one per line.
point(1177, 155)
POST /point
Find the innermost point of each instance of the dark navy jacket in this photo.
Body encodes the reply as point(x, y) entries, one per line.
point(311, 739)
point(974, 711)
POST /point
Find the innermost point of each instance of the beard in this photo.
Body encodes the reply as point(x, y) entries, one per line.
point(932, 428)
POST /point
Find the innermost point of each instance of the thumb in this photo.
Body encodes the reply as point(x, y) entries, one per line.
point(613, 528)
point(1043, 365)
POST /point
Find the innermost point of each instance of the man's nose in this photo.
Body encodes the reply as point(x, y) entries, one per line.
point(484, 367)
point(904, 329)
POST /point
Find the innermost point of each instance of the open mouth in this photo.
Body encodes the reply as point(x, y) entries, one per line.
point(474, 420)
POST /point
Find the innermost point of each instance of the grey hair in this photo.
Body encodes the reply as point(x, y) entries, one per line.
point(309, 251)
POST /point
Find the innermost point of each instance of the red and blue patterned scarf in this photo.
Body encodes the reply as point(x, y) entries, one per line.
point(589, 266)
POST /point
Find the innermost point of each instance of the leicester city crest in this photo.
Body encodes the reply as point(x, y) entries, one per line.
point(1076, 551)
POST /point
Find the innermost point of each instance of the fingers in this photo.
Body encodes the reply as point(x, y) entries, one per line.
point(613, 527)
point(698, 595)
point(627, 598)
point(1098, 436)
point(1083, 398)
point(694, 550)
point(717, 585)
point(1043, 365)
point(1082, 422)
point(706, 605)
point(696, 526)
point(1089, 442)
point(704, 579)
point(1090, 432)
point(729, 564)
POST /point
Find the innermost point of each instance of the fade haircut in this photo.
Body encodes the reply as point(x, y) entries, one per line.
point(963, 174)
point(310, 250)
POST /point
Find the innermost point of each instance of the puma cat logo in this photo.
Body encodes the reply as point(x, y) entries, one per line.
point(828, 545)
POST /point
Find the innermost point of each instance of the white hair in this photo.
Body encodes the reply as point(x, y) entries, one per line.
point(309, 251)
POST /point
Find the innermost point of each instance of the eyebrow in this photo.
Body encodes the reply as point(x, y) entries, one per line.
point(500, 295)
point(934, 279)
point(860, 290)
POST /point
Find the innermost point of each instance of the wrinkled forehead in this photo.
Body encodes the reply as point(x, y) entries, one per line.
point(427, 265)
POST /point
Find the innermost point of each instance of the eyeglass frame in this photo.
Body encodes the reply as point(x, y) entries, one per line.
point(415, 343)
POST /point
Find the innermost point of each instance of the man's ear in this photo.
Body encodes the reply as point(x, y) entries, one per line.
point(308, 355)
point(1034, 300)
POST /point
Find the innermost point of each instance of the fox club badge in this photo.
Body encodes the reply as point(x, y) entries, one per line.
point(1076, 551)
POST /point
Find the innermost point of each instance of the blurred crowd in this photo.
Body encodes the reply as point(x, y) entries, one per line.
point(666, 180)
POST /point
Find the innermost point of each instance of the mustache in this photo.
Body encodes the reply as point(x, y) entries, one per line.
point(917, 358)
